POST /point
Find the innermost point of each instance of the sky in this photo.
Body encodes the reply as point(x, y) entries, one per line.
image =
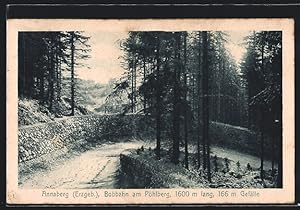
point(104, 63)
point(235, 44)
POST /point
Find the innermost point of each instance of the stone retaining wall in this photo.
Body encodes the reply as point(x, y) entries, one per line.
point(239, 139)
point(138, 173)
point(44, 138)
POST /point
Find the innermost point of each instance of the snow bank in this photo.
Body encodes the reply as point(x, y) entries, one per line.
point(141, 169)
point(31, 112)
point(145, 171)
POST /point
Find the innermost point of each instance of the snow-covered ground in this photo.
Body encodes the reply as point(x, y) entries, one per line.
point(243, 158)
point(98, 167)
point(95, 168)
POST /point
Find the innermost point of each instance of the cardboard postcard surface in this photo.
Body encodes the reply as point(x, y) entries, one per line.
point(150, 111)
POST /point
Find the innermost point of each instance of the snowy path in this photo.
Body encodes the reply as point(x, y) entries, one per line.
point(242, 157)
point(96, 168)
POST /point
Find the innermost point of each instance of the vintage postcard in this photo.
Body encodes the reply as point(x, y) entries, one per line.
point(150, 111)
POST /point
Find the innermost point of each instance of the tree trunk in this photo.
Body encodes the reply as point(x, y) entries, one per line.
point(132, 87)
point(72, 75)
point(57, 84)
point(205, 102)
point(262, 155)
point(176, 114)
point(51, 79)
point(279, 175)
point(58, 79)
point(273, 153)
point(185, 111)
point(198, 103)
point(219, 96)
point(193, 104)
point(206, 106)
point(222, 108)
point(134, 95)
point(144, 78)
point(158, 107)
point(261, 123)
point(42, 79)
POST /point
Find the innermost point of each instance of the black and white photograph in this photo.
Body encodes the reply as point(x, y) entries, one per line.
point(150, 109)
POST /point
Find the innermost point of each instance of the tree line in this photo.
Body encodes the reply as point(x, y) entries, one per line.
point(43, 58)
point(262, 78)
point(184, 80)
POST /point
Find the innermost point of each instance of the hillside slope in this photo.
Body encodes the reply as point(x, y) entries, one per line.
point(89, 96)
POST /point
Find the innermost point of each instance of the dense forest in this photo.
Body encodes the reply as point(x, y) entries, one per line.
point(186, 80)
point(45, 58)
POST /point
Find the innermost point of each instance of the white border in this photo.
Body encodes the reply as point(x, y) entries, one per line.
point(284, 195)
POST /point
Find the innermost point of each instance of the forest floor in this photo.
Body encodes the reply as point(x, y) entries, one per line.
point(98, 167)
point(233, 176)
